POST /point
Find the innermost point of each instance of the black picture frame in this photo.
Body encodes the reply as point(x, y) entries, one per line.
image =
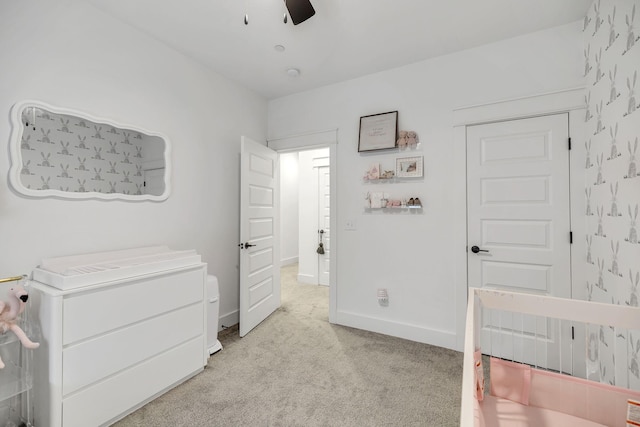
point(378, 132)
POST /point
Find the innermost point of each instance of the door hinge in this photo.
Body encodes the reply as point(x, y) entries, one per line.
point(571, 237)
point(573, 333)
point(569, 142)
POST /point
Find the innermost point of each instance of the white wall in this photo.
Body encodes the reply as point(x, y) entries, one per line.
point(308, 215)
point(68, 53)
point(288, 208)
point(411, 255)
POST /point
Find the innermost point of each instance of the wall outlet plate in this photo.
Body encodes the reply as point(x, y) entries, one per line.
point(383, 297)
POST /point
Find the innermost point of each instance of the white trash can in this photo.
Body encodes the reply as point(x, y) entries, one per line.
point(213, 310)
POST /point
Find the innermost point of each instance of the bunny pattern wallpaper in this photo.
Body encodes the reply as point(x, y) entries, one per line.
point(68, 153)
point(612, 191)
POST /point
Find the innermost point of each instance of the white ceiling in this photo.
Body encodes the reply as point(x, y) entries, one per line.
point(344, 40)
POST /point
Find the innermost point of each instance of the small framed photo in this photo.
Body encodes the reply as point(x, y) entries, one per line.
point(378, 131)
point(409, 167)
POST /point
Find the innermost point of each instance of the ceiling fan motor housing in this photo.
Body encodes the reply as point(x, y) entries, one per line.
point(299, 10)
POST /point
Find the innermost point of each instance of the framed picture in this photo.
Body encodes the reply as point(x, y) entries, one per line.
point(378, 131)
point(409, 167)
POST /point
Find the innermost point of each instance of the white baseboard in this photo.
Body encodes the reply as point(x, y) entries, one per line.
point(229, 319)
point(401, 330)
point(288, 261)
point(307, 279)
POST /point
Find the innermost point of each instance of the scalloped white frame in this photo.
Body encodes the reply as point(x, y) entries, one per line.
point(16, 156)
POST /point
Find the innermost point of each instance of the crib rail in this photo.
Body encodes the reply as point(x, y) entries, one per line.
point(560, 308)
point(582, 314)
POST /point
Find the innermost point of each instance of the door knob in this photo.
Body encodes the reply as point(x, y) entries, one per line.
point(247, 245)
point(476, 249)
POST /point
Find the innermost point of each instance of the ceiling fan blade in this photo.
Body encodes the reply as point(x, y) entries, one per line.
point(299, 10)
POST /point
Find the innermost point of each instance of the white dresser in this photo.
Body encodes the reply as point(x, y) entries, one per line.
point(118, 329)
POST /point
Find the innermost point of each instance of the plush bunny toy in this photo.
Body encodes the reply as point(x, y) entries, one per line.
point(412, 138)
point(9, 312)
point(402, 139)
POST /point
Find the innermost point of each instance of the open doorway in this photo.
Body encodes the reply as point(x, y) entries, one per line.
point(300, 145)
point(305, 212)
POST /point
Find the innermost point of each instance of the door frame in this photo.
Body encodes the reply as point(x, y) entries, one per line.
point(571, 101)
point(318, 168)
point(310, 140)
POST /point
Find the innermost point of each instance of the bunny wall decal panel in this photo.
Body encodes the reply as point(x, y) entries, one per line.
point(612, 190)
point(64, 153)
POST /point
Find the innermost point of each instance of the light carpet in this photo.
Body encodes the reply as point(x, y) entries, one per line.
point(297, 369)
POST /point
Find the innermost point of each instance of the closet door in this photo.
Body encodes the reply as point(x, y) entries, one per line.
point(518, 229)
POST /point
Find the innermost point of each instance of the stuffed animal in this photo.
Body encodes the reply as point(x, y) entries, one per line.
point(412, 138)
point(402, 139)
point(9, 312)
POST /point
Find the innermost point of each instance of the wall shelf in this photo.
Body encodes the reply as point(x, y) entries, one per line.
point(379, 180)
point(407, 150)
point(394, 208)
point(407, 171)
point(394, 180)
point(402, 211)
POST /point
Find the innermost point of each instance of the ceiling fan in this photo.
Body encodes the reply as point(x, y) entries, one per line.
point(299, 10)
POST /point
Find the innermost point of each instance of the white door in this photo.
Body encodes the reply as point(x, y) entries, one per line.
point(518, 229)
point(259, 246)
point(324, 229)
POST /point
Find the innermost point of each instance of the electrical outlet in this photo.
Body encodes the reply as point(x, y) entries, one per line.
point(383, 297)
point(350, 224)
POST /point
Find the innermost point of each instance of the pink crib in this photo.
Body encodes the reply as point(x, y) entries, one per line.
point(534, 379)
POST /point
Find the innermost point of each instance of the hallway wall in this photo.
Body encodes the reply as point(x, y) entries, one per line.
point(289, 208)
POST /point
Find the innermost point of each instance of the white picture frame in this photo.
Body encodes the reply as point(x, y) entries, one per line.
point(409, 167)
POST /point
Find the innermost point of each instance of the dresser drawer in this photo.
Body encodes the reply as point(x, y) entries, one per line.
point(100, 403)
point(95, 359)
point(90, 313)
